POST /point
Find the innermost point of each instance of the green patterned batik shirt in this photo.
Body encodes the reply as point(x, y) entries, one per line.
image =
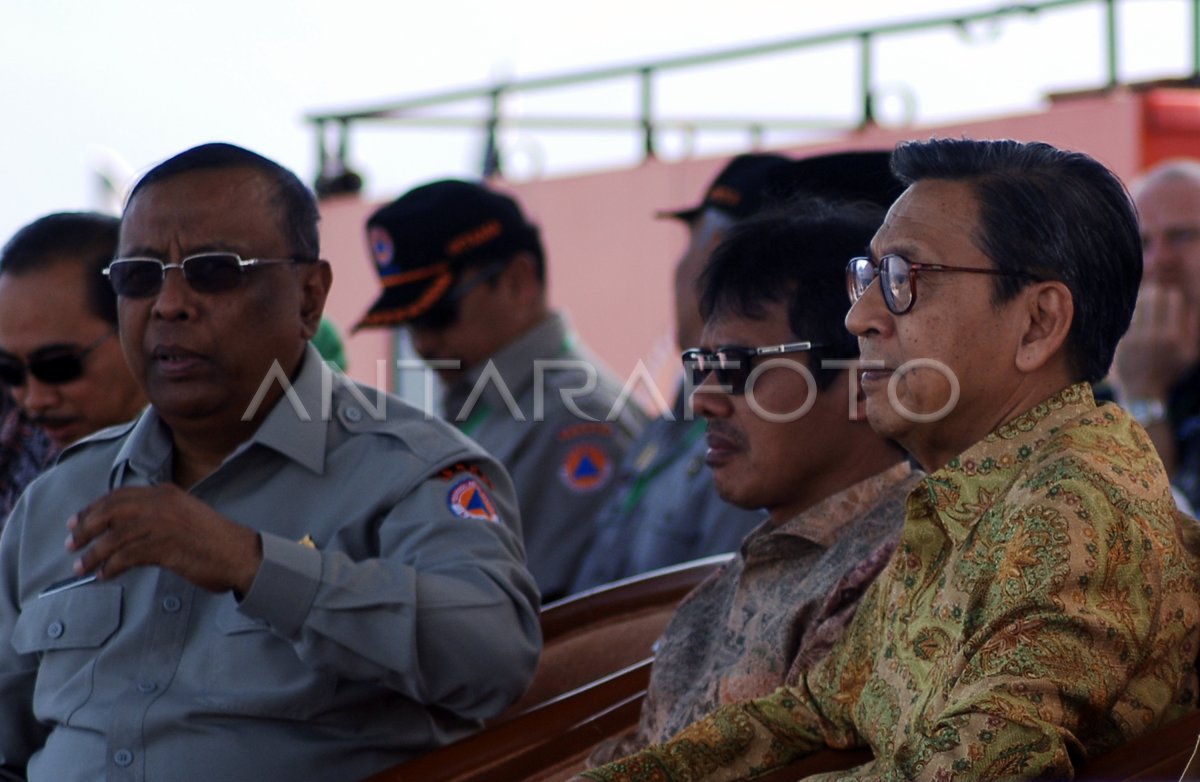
point(1042, 607)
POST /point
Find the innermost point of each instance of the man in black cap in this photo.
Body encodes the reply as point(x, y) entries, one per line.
point(464, 271)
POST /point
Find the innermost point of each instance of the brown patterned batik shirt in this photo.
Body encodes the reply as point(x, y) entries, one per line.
point(1042, 607)
point(776, 608)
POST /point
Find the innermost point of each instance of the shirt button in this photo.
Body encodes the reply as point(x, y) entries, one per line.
point(123, 757)
point(147, 686)
point(171, 604)
point(352, 414)
point(55, 630)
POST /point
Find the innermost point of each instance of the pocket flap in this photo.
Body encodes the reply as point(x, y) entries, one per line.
point(82, 618)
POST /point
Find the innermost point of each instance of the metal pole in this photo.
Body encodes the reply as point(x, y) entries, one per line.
point(1196, 40)
point(864, 53)
point(647, 91)
point(491, 149)
point(1111, 17)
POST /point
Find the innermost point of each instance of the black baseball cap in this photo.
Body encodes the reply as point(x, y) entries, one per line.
point(740, 189)
point(422, 241)
point(860, 175)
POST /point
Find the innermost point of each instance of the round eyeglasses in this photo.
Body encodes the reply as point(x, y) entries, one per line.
point(898, 277)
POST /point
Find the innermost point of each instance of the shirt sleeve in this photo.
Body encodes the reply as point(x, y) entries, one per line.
point(445, 614)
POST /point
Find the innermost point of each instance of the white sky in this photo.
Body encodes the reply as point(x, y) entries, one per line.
point(121, 85)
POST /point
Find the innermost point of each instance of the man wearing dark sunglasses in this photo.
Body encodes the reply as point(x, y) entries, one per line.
point(262, 576)
point(1043, 605)
point(59, 353)
point(465, 272)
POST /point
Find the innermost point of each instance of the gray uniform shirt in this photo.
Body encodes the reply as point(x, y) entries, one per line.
point(392, 612)
point(665, 509)
point(541, 406)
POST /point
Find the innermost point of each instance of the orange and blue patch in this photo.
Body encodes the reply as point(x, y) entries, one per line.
point(586, 467)
point(468, 500)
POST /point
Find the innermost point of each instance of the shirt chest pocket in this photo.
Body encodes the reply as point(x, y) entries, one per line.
point(66, 630)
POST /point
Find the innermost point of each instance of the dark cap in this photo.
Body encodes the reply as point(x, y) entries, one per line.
point(423, 239)
point(864, 175)
point(739, 190)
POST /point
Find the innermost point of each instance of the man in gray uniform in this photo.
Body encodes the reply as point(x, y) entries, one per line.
point(272, 572)
point(464, 270)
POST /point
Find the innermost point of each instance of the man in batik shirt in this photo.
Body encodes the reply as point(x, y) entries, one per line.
point(1042, 605)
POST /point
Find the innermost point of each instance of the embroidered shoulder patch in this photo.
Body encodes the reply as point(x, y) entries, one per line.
point(586, 467)
point(468, 500)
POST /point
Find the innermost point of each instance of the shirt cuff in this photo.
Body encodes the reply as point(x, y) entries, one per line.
point(285, 586)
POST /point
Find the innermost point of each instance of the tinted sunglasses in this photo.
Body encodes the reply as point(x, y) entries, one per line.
point(733, 363)
point(138, 278)
point(444, 313)
point(53, 365)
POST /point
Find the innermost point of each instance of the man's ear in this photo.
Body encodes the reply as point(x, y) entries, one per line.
point(315, 281)
point(1049, 311)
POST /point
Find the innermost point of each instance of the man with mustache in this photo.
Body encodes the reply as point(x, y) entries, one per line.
point(272, 572)
point(1043, 604)
point(60, 358)
point(783, 435)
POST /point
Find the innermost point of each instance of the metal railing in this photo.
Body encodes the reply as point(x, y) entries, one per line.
point(333, 128)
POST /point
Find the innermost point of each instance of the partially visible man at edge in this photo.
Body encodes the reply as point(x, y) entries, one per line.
point(1042, 605)
point(60, 358)
point(283, 583)
point(780, 437)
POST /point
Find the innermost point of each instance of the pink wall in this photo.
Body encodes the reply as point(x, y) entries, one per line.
point(610, 260)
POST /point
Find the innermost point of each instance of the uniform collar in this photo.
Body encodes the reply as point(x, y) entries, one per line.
point(514, 363)
point(296, 428)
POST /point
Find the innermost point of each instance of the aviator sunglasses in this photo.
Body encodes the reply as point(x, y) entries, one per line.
point(138, 278)
point(732, 363)
point(53, 365)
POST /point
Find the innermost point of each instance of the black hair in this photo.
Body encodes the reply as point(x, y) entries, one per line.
point(1053, 215)
point(794, 253)
point(86, 238)
point(297, 207)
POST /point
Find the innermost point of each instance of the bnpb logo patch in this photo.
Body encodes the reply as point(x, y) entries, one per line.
point(586, 467)
point(382, 249)
point(468, 500)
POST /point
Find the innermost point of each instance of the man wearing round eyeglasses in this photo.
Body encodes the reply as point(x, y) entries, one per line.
point(465, 272)
point(59, 353)
point(1043, 605)
point(264, 574)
